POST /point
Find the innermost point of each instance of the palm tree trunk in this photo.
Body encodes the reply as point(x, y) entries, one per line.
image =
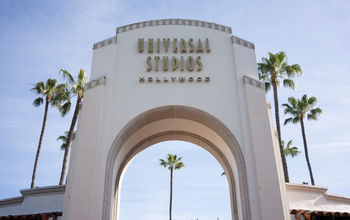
point(171, 192)
point(69, 140)
point(277, 117)
point(40, 141)
point(306, 151)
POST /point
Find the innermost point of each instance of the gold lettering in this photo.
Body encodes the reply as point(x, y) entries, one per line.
point(182, 63)
point(165, 80)
point(149, 64)
point(175, 45)
point(200, 65)
point(190, 42)
point(165, 64)
point(150, 79)
point(207, 45)
point(199, 79)
point(156, 58)
point(142, 79)
point(183, 46)
point(199, 46)
point(150, 45)
point(173, 79)
point(190, 63)
point(174, 63)
point(157, 80)
point(182, 79)
point(158, 45)
point(207, 79)
point(190, 79)
point(166, 44)
point(141, 45)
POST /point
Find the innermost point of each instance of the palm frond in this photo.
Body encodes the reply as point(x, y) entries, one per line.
point(289, 83)
point(290, 142)
point(63, 146)
point(281, 56)
point(38, 87)
point(163, 163)
point(179, 165)
point(289, 150)
point(312, 101)
point(67, 76)
point(60, 95)
point(65, 108)
point(38, 101)
point(82, 78)
point(64, 139)
point(314, 113)
point(296, 119)
point(294, 151)
point(293, 101)
point(297, 69)
point(288, 120)
point(267, 86)
point(50, 85)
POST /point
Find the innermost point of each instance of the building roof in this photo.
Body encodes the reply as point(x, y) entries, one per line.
point(41, 216)
point(313, 214)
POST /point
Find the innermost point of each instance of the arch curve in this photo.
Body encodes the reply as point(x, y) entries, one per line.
point(177, 123)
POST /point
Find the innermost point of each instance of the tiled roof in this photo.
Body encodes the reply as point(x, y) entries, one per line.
point(314, 214)
point(40, 216)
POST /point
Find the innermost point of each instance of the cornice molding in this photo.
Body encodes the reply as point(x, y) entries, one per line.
point(11, 201)
point(254, 82)
point(197, 23)
point(108, 41)
point(96, 82)
point(242, 42)
point(44, 190)
point(337, 198)
point(38, 191)
point(162, 22)
point(307, 188)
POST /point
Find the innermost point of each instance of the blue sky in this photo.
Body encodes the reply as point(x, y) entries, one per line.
point(39, 37)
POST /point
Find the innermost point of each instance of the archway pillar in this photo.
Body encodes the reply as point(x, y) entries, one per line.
point(269, 170)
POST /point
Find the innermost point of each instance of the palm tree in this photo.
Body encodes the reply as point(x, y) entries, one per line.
point(53, 94)
point(271, 71)
point(64, 139)
point(172, 162)
point(298, 109)
point(289, 150)
point(76, 89)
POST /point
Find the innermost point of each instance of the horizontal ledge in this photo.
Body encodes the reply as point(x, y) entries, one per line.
point(11, 201)
point(308, 188)
point(43, 190)
point(337, 198)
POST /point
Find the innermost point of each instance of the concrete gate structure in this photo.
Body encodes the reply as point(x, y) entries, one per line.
point(175, 79)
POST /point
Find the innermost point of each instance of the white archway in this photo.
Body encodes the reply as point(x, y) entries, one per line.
point(177, 123)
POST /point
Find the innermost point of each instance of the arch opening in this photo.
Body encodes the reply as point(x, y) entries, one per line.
point(199, 190)
point(177, 123)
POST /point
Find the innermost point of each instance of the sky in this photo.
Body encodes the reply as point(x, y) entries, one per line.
point(39, 37)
